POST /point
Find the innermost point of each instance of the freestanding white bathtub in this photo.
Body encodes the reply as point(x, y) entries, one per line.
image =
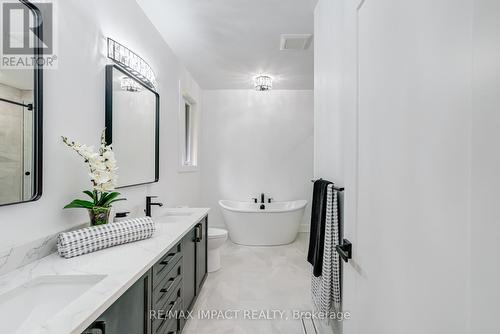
point(277, 224)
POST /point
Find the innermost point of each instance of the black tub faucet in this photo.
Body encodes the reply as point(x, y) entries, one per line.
point(149, 204)
point(262, 198)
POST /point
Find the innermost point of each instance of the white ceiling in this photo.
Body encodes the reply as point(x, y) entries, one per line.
point(225, 43)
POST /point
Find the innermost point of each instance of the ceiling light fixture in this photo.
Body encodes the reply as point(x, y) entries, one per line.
point(263, 83)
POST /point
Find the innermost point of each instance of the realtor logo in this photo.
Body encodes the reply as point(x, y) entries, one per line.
point(27, 34)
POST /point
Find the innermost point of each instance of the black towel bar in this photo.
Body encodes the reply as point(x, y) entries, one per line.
point(335, 188)
point(28, 106)
point(345, 250)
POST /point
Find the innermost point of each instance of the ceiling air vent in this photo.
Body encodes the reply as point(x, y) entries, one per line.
point(295, 41)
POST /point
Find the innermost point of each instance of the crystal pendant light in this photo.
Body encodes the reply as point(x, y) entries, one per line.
point(263, 83)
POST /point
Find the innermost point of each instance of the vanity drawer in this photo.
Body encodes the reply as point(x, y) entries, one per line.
point(166, 263)
point(172, 305)
point(169, 327)
point(169, 283)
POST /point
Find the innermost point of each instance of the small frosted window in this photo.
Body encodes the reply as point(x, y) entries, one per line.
point(188, 135)
point(188, 138)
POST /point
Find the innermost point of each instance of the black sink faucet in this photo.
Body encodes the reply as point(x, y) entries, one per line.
point(262, 198)
point(149, 204)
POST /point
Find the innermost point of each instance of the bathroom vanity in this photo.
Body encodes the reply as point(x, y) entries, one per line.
point(115, 289)
point(170, 285)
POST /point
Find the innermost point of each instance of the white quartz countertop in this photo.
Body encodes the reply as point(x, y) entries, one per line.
point(120, 266)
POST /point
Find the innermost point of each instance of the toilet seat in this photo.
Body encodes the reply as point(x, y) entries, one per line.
point(216, 233)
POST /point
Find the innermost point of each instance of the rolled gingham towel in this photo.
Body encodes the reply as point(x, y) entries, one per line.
point(91, 239)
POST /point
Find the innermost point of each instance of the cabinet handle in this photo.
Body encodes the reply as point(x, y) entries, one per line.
point(167, 259)
point(199, 233)
point(172, 304)
point(171, 280)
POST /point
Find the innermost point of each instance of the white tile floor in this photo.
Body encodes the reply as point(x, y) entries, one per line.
point(256, 278)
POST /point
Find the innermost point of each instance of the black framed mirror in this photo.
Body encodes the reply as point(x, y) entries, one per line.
point(21, 95)
point(132, 127)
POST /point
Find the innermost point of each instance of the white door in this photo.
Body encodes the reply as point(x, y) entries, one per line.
point(485, 169)
point(407, 197)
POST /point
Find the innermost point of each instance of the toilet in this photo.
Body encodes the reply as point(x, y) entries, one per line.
point(216, 238)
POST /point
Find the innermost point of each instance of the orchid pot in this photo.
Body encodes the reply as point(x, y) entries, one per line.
point(99, 215)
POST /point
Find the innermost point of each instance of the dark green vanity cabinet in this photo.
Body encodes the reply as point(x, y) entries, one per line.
point(189, 269)
point(170, 286)
point(129, 314)
point(201, 254)
point(166, 296)
point(194, 245)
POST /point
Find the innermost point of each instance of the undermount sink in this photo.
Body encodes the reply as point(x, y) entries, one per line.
point(173, 215)
point(177, 213)
point(172, 219)
point(29, 306)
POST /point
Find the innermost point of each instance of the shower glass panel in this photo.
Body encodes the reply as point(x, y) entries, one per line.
point(21, 108)
point(16, 146)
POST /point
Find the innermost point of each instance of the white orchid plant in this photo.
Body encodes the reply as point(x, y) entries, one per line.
point(103, 175)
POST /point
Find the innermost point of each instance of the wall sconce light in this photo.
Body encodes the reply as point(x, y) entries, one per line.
point(131, 62)
point(263, 83)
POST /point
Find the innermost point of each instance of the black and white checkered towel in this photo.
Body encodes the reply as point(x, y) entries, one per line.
point(326, 288)
point(91, 239)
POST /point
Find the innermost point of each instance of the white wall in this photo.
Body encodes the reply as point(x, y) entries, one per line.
point(254, 142)
point(419, 118)
point(485, 170)
point(74, 106)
